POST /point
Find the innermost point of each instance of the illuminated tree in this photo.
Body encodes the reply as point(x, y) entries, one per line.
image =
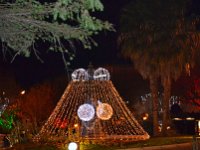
point(190, 91)
point(58, 24)
point(161, 38)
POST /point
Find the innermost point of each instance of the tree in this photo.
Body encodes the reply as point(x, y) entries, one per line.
point(190, 91)
point(37, 104)
point(24, 23)
point(161, 38)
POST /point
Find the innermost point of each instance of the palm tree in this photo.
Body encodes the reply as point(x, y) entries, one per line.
point(161, 39)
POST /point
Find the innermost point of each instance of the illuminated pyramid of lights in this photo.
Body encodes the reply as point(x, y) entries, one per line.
point(91, 110)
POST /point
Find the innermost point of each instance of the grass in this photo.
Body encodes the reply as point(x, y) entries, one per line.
point(158, 141)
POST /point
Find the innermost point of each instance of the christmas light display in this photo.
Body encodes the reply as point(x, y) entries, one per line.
point(104, 111)
point(101, 74)
point(80, 75)
point(113, 121)
point(86, 112)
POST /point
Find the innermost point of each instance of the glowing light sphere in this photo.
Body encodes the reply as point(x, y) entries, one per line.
point(86, 112)
point(101, 74)
point(104, 111)
point(72, 146)
point(80, 75)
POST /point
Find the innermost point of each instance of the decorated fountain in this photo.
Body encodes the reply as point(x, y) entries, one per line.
point(91, 111)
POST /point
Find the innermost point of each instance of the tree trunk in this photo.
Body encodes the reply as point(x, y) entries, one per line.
point(154, 92)
point(165, 105)
point(34, 125)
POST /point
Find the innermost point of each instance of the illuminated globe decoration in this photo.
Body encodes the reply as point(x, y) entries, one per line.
point(80, 75)
point(90, 120)
point(104, 111)
point(101, 74)
point(86, 112)
point(72, 146)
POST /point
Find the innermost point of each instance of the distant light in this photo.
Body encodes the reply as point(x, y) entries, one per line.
point(76, 125)
point(177, 119)
point(23, 92)
point(159, 128)
point(168, 128)
point(189, 118)
point(72, 146)
point(145, 117)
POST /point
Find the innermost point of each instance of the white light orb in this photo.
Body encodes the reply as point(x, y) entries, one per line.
point(86, 112)
point(101, 74)
point(72, 146)
point(80, 75)
point(104, 111)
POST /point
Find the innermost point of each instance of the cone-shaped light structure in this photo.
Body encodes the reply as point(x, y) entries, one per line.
point(72, 119)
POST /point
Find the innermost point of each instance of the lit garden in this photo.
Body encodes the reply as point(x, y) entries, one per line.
point(146, 94)
point(92, 115)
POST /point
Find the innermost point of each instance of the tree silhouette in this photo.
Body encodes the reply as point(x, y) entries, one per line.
point(23, 23)
point(37, 104)
point(162, 40)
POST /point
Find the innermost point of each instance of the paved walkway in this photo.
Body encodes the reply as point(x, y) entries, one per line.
point(183, 146)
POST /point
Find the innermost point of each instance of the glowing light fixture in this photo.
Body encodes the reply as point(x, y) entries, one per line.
point(168, 127)
point(177, 119)
point(104, 111)
point(80, 75)
point(23, 92)
point(86, 112)
point(76, 125)
point(189, 118)
point(101, 74)
point(145, 117)
point(72, 146)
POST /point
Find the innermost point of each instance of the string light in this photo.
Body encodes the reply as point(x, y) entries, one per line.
point(86, 112)
point(101, 74)
point(113, 122)
point(104, 111)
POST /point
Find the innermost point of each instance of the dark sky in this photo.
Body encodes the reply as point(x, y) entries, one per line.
point(29, 71)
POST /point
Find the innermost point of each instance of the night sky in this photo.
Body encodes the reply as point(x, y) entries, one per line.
point(29, 71)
